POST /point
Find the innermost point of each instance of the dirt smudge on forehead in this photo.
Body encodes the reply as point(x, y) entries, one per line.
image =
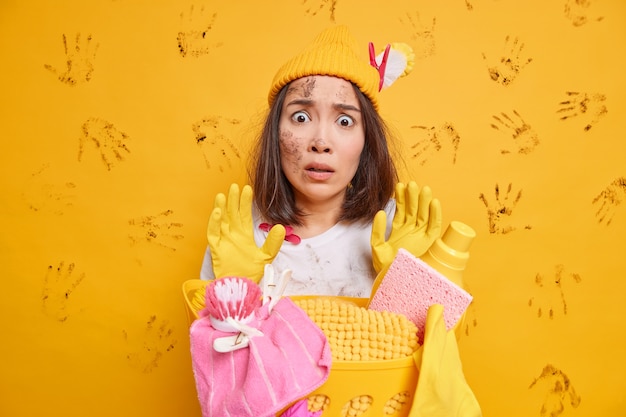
point(306, 85)
point(344, 93)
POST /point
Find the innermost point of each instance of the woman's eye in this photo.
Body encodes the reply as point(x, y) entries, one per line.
point(300, 117)
point(345, 121)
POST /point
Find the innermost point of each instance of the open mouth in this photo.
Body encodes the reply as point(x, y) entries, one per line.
point(321, 168)
point(319, 172)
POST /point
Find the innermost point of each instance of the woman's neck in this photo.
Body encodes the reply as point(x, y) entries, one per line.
point(317, 218)
point(314, 224)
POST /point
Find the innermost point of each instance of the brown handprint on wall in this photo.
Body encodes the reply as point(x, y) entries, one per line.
point(559, 393)
point(52, 197)
point(108, 140)
point(158, 229)
point(510, 64)
point(313, 7)
point(422, 36)
point(79, 61)
point(609, 200)
point(590, 107)
point(195, 39)
point(500, 212)
point(212, 135)
point(58, 286)
point(525, 139)
point(577, 11)
point(552, 300)
point(148, 350)
point(433, 140)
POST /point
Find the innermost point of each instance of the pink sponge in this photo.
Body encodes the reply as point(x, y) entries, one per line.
point(411, 286)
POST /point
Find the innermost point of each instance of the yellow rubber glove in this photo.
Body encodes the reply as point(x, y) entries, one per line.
point(442, 390)
point(416, 225)
point(231, 237)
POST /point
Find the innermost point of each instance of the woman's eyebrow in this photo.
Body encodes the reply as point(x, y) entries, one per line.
point(300, 102)
point(305, 102)
point(343, 106)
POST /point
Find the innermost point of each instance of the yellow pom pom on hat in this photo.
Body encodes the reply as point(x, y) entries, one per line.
point(333, 52)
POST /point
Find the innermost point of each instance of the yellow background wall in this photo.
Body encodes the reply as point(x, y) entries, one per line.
point(121, 120)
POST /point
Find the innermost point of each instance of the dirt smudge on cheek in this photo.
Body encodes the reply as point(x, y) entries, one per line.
point(291, 149)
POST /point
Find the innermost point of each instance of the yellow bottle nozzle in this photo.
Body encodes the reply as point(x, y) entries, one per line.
point(449, 254)
point(452, 249)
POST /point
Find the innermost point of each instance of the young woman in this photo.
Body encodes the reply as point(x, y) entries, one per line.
point(323, 172)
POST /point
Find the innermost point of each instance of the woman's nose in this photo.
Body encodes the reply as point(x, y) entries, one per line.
point(320, 145)
point(321, 136)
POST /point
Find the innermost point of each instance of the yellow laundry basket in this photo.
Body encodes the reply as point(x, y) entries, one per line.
point(382, 388)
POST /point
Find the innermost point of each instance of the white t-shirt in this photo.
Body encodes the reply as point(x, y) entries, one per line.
point(337, 262)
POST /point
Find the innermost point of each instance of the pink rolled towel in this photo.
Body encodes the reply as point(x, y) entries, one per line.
point(411, 286)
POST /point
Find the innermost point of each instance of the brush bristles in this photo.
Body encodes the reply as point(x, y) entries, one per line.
point(235, 297)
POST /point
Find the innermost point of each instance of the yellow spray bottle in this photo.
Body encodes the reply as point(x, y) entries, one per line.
point(449, 255)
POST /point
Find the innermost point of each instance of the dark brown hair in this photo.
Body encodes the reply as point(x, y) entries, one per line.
point(371, 187)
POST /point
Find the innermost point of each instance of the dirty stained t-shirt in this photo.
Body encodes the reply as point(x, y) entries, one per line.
point(337, 262)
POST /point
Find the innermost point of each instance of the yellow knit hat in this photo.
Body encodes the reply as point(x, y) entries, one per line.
point(333, 52)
